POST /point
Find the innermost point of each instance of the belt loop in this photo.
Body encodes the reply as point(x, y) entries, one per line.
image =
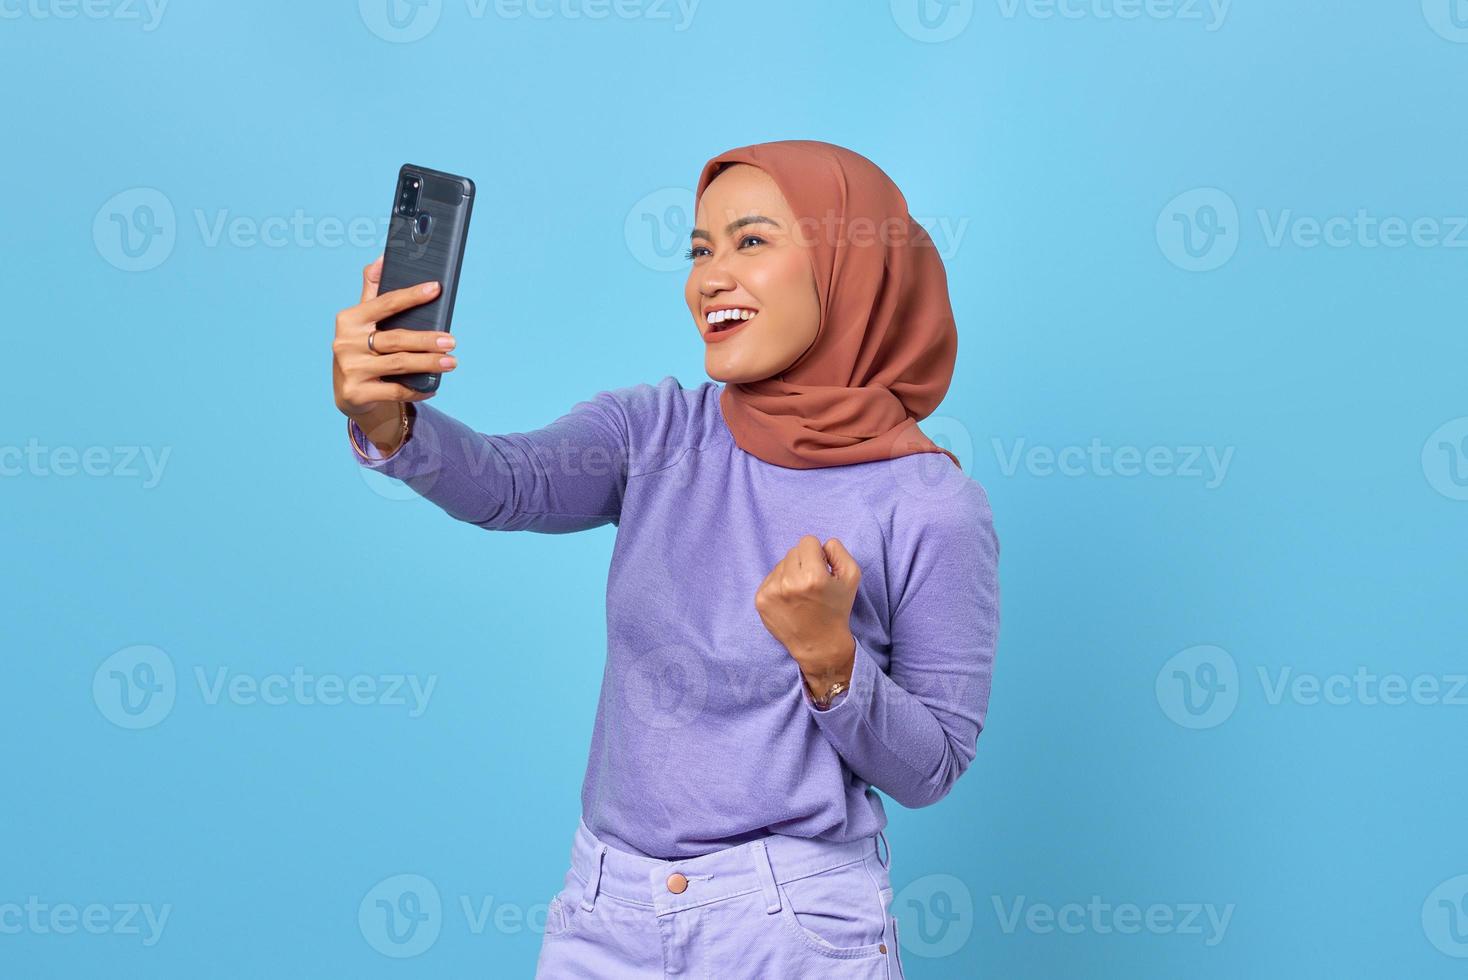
point(588, 896)
point(766, 877)
point(886, 847)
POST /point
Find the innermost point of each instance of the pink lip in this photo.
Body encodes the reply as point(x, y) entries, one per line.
point(713, 336)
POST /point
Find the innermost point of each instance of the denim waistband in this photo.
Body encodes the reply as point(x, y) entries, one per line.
point(755, 866)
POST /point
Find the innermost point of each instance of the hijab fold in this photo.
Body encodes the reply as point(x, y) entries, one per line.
point(884, 351)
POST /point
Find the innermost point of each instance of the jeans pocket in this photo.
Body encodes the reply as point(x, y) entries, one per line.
point(560, 913)
point(839, 912)
point(555, 918)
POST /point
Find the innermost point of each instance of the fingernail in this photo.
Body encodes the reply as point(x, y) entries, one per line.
point(429, 287)
point(445, 362)
point(446, 342)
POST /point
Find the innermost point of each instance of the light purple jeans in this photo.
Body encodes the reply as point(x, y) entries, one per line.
point(774, 908)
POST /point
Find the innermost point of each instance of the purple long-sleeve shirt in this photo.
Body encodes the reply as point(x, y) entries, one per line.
point(705, 736)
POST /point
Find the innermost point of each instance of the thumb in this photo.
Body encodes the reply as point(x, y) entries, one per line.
point(843, 566)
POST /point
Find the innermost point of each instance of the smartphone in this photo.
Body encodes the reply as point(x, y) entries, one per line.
point(425, 243)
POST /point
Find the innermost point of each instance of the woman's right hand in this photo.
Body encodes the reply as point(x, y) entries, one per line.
point(357, 372)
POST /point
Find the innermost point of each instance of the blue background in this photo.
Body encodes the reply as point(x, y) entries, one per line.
point(1333, 541)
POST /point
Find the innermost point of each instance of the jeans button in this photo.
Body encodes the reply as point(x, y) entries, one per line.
point(677, 883)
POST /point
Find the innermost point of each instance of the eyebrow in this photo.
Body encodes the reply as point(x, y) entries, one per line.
point(735, 225)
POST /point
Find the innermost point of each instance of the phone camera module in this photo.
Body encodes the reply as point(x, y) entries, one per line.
point(408, 192)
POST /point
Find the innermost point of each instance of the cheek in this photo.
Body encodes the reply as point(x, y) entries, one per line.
point(786, 285)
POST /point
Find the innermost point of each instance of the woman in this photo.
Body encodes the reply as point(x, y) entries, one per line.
point(798, 609)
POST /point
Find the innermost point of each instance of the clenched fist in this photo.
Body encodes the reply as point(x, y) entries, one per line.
point(807, 607)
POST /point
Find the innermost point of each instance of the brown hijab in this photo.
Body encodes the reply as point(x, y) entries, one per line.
point(884, 351)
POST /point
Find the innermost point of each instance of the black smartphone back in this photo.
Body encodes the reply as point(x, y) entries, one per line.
point(425, 242)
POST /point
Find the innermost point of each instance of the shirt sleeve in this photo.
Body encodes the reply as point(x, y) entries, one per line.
point(912, 731)
point(568, 476)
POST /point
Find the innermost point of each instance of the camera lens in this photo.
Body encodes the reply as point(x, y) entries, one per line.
point(408, 195)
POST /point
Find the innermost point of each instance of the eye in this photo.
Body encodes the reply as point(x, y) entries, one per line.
point(690, 254)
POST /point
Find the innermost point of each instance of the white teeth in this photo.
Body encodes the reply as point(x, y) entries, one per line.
point(719, 316)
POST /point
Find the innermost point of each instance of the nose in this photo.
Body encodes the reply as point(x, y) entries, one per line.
point(716, 278)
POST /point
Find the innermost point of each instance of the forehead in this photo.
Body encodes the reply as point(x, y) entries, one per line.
point(740, 189)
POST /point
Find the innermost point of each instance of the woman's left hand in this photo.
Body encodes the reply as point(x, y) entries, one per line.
point(807, 607)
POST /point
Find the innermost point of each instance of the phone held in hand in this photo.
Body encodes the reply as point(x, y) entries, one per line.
point(425, 243)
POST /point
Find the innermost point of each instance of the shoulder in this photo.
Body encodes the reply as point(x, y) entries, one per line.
point(944, 547)
point(664, 420)
point(939, 510)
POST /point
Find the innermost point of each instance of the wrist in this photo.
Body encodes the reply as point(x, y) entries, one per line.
point(383, 425)
point(821, 672)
